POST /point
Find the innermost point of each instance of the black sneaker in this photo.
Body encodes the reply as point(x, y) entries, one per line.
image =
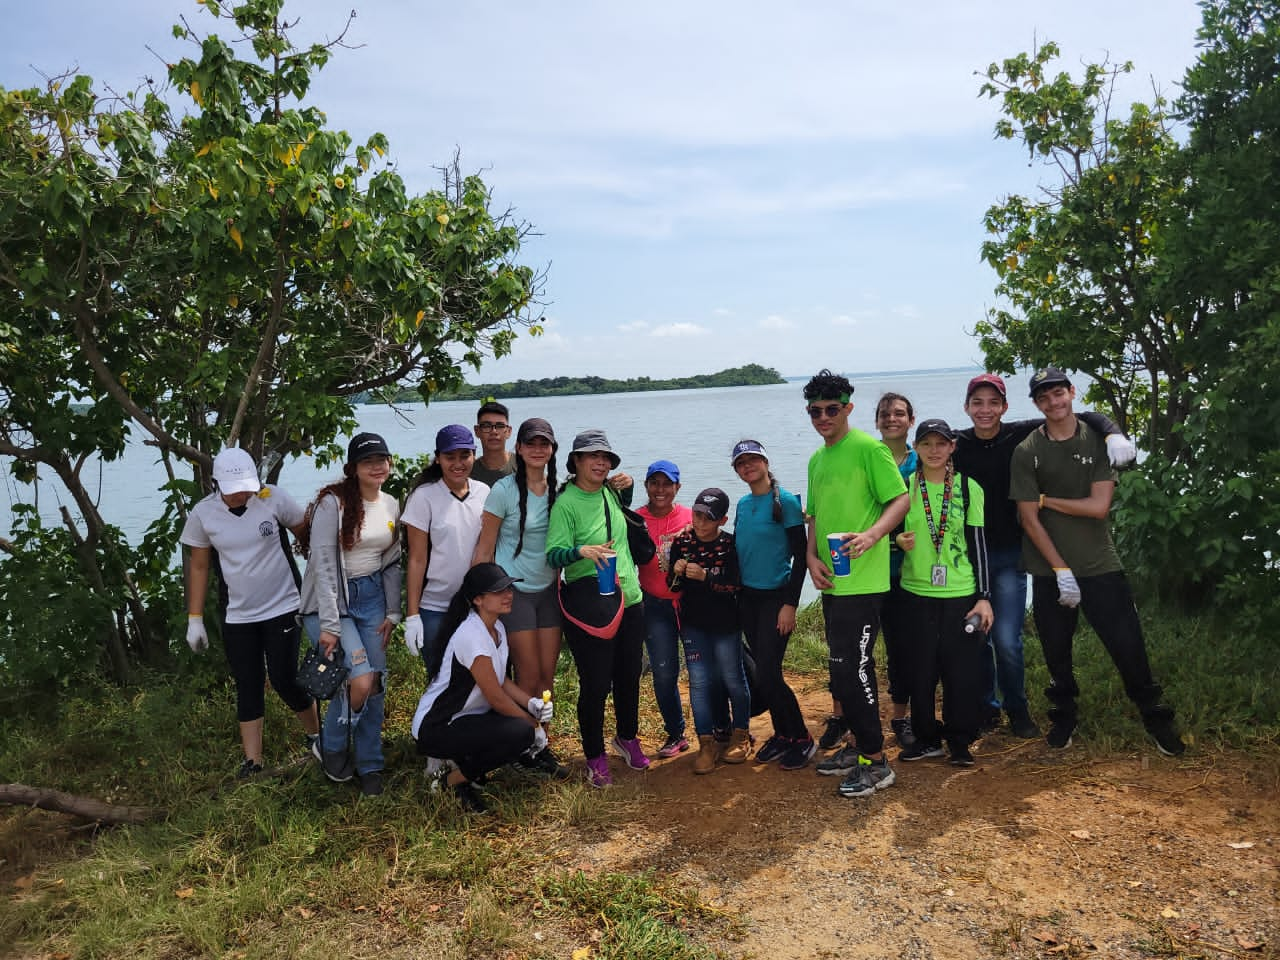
point(469, 798)
point(798, 755)
point(1059, 736)
point(990, 720)
point(868, 777)
point(371, 783)
point(1168, 740)
point(544, 761)
point(832, 734)
point(921, 751)
point(1022, 726)
point(960, 756)
point(773, 748)
point(338, 767)
point(248, 769)
point(901, 727)
point(840, 763)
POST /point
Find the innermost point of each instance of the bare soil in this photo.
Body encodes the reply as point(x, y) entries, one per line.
point(1031, 853)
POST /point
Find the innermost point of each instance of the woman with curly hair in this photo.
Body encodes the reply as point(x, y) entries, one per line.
point(351, 598)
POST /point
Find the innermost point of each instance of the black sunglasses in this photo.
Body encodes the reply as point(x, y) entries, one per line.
point(828, 411)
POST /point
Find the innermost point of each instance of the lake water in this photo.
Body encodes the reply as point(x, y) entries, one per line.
point(695, 428)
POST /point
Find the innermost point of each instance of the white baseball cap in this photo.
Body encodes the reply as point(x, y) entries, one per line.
point(235, 472)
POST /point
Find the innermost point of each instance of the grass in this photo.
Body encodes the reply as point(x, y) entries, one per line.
point(293, 866)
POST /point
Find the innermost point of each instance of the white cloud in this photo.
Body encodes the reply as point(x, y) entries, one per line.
point(775, 321)
point(634, 326)
point(680, 330)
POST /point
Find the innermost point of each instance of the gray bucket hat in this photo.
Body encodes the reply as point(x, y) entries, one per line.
point(592, 441)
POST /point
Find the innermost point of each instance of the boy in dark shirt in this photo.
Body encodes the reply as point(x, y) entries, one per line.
point(704, 571)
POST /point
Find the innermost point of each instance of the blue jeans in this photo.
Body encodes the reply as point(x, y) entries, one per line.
point(663, 643)
point(716, 674)
point(362, 652)
point(1002, 660)
point(432, 642)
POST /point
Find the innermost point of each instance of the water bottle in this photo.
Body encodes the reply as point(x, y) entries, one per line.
point(972, 622)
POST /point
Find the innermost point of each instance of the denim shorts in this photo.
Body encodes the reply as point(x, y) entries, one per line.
point(533, 611)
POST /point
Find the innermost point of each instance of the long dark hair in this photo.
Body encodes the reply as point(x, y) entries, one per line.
point(347, 490)
point(458, 610)
point(432, 473)
point(522, 484)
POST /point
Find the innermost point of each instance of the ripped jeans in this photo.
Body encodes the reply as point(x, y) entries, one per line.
point(363, 653)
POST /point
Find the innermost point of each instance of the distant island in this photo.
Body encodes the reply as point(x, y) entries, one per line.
point(752, 375)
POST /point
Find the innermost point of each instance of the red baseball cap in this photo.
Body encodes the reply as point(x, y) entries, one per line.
point(986, 380)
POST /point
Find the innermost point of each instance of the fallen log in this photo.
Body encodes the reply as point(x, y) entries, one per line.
point(87, 807)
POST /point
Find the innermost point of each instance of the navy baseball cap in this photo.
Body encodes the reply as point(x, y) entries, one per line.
point(744, 447)
point(454, 437)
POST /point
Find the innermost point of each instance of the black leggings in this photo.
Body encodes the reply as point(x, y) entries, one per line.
point(477, 743)
point(851, 626)
point(247, 646)
point(606, 666)
point(759, 612)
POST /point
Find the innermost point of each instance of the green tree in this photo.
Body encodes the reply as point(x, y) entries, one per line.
point(231, 272)
point(1150, 264)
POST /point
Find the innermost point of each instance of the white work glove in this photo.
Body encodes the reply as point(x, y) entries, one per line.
point(413, 634)
point(541, 710)
point(197, 637)
point(1121, 451)
point(1068, 589)
point(539, 741)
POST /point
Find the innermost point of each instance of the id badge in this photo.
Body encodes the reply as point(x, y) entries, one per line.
point(938, 575)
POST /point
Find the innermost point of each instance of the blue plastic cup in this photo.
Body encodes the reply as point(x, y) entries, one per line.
point(607, 576)
point(839, 559)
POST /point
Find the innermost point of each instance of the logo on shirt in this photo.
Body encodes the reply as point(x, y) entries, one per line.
point(1082, 459)
point(267, 528)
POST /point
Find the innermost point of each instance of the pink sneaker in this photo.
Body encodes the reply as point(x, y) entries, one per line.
point(598, 774)
point(630, 752)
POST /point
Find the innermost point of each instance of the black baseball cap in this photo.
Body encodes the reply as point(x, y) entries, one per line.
point(1047, 377)
point(940, 427)
point(712, 502)
point(487, 578)
point(366, 445)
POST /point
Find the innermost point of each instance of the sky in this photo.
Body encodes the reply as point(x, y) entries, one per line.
point(711, 183)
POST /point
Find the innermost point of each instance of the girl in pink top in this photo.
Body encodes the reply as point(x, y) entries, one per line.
point(666, 520)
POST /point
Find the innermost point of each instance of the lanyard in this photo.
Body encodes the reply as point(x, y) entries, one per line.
point(936, 533)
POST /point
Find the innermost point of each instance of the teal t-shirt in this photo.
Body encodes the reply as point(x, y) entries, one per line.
point(577, 520)
point(531, 565)
point(917, 564)
point(764, 557)
point(849, 484)
point(907, 467)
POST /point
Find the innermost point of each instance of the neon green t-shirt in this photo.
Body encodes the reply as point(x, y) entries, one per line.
point(849, 484)
point(577, 520)
point(917, 565)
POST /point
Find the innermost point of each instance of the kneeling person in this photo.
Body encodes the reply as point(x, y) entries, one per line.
point(471, 713)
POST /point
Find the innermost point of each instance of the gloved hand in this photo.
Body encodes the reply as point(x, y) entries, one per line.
point(541, 710)
point(413, 634)
point(197, 637)
point(539, 741)
point(1068, 589)
point(1121, 451)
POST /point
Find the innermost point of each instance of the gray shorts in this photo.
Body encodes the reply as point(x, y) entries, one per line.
point(533, 611)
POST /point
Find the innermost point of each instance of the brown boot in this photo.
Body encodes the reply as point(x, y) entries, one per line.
point(705, 761)
point(739, 747)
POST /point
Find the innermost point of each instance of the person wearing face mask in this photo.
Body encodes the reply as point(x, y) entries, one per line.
point(442, 519)
point(237, 530)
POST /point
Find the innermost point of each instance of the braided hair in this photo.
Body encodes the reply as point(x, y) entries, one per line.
point(522, 485)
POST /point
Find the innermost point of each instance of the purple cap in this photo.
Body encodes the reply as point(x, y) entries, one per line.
point(454, 437)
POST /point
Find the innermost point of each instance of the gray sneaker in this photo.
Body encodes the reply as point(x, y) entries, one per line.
point(338, 767)
point(901, 727)
point(840, 763)
point(868, 777)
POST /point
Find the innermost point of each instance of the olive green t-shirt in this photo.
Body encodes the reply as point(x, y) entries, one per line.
point(849, 484)
point(1069, 469)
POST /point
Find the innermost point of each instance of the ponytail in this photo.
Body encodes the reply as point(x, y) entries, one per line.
point(777, 498)
point(458, 611)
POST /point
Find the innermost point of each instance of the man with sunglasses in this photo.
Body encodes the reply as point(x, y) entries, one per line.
point(856, 494)
point(493, 427)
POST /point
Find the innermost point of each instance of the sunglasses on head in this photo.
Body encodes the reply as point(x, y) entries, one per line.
point(828, 410)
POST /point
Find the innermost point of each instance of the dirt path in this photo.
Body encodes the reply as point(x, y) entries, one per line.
point(1031, 853)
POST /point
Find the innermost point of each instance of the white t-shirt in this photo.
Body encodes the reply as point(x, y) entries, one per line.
point(453, 527)
point(454, 692)
point(254, 567)
point(376, 533)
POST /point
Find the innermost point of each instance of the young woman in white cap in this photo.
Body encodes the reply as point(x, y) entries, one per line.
point(769, 534)
point(587, 526)
point(241, 523)
point(442, 519)
point(513, 533)
point(351, 599)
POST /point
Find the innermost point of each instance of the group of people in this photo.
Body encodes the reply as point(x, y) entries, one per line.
point(928, 541)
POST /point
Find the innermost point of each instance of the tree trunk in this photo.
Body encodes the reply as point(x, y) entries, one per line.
point(18, 793)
